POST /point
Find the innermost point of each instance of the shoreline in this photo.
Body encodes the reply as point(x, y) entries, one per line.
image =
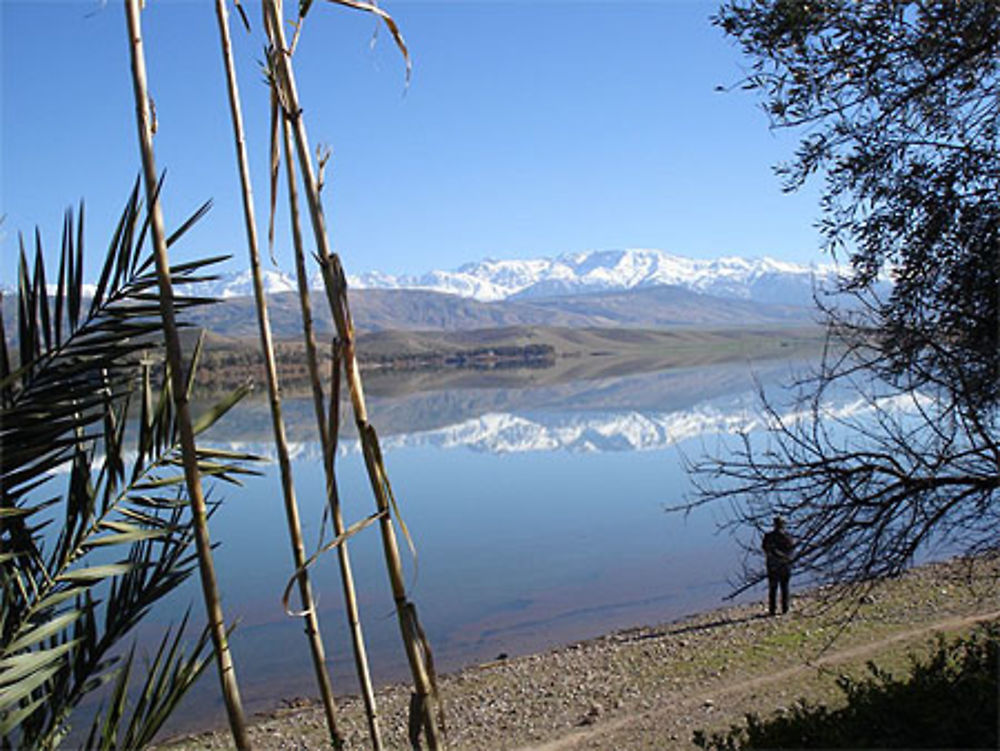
point(652, 686)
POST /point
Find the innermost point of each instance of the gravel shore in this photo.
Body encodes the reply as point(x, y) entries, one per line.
point(652, 687)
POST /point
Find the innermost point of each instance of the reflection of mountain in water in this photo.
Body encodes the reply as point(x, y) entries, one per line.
point(611, 431)
point(625, 413)
point(500, 433)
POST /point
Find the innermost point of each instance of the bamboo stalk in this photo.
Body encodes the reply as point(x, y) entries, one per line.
point(416, 648)
point(328, 441)
point(203, 545)
point(405, 612)
point(309, 613)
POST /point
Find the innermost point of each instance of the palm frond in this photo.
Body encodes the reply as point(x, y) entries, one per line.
point(80, 569)
point(168, 677)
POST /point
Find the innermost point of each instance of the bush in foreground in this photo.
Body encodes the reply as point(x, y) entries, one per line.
point(948, 700)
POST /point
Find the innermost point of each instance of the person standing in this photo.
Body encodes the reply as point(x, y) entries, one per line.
point(778, 547)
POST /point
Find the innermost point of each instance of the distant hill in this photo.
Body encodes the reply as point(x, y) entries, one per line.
point(380, 310)
point(413, 310)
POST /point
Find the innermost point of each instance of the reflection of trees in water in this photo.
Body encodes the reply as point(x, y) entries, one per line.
point(723, 388)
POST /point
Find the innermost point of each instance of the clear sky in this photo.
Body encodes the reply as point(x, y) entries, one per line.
point(529, 129)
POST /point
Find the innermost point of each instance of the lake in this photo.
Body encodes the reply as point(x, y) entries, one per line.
point(536, 502)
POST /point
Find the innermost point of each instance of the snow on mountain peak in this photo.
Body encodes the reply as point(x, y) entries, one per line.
point(491, 279)
point(241, 284)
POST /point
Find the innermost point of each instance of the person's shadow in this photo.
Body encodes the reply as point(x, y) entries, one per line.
point(695, 628)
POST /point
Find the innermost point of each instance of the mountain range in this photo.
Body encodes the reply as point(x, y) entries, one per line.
point(615, 289)
point(762, 280)
point(602, 289)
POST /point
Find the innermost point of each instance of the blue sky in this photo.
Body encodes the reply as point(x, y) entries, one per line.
point(529, 129)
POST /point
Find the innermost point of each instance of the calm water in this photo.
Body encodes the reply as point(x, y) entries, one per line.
point(536, 503)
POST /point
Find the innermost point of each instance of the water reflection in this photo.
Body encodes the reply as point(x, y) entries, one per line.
point(623, 413)
point(536, 507)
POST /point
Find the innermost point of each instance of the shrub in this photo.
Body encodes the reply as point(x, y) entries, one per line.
point(947, 701)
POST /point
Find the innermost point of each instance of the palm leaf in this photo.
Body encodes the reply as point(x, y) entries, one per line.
point(168, 678)
point(95, 573)
point(66, 399)
point(212, 415)
point(11, 720)
point(14, 668)
point(38, 633)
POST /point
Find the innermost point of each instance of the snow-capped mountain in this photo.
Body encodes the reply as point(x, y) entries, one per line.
point(759, 279)
point(241, 285)
point(756, 279)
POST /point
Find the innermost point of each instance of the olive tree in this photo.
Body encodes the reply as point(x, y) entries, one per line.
point(896, 104)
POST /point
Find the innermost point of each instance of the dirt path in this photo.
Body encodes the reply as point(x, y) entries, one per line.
point(605, 734)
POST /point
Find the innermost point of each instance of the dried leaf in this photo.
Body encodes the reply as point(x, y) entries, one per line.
point(243, 15)
point(335, 542)
point(389, 21)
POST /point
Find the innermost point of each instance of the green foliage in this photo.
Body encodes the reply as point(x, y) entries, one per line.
point(946, 701)
point(898, 104)
point(79, 568)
